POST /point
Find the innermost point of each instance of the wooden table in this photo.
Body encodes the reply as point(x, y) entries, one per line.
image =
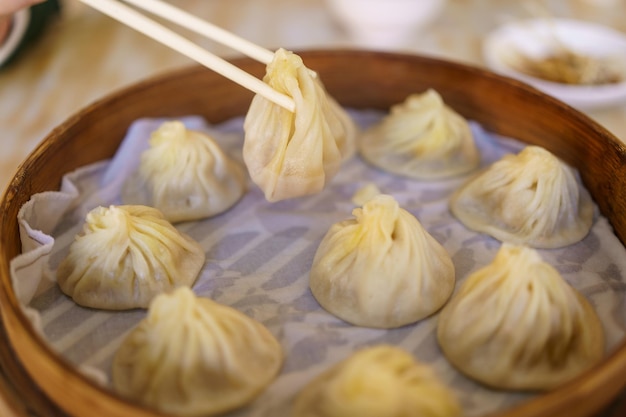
point(85, 55)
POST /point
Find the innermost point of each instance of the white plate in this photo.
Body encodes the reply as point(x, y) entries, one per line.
point(534, 39)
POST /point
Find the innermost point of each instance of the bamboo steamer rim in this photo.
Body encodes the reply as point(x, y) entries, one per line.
point(55, 388)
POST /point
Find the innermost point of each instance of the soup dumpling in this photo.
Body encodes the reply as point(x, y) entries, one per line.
point(421, 138)
point(531, 198)
point(186, 175)
point(194, 357)
point(380, 381)
point(125, 256)
point(517, 324)
point(295, 154)
point(382, 268)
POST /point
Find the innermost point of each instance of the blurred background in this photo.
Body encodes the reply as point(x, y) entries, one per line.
point(82, 55)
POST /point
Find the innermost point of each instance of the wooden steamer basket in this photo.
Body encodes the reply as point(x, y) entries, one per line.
point(358, 79)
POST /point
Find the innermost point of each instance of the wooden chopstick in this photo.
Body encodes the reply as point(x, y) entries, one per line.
point(204, 28)
point(160, 33)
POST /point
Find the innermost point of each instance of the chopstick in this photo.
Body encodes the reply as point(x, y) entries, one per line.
point(204, 28)
point(160, 33)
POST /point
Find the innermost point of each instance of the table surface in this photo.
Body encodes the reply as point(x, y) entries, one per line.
point(85, 55)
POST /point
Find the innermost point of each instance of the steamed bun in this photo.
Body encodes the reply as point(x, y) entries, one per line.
point(531, 198)
point(517, 324)
point(421, 138)
point(125, 256)
point(194, 357)
point(186, 175)
point(295, 154)
point(380, 381)
point(381, 269)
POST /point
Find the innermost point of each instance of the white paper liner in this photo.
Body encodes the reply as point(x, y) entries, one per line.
point(259, 255)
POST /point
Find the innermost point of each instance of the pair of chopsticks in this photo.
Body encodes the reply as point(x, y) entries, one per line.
point(132, 18)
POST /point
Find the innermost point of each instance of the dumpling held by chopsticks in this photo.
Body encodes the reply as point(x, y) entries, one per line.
point(295, 154)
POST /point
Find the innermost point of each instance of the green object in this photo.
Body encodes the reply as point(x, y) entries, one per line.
point(40, 15)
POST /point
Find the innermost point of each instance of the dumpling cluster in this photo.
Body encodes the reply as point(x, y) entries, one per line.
point(514, 324)
point(125, 256)
point(194, 357)
point(295, 154)
point(186, 175)
point(381, 269)
point(421, 138)
point(381, 381)
point(531, 198)
point(517, 324)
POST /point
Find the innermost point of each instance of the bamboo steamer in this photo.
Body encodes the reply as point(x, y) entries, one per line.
point(36, 379)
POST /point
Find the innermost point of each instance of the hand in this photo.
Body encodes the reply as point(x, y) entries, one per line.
point(7, 9)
